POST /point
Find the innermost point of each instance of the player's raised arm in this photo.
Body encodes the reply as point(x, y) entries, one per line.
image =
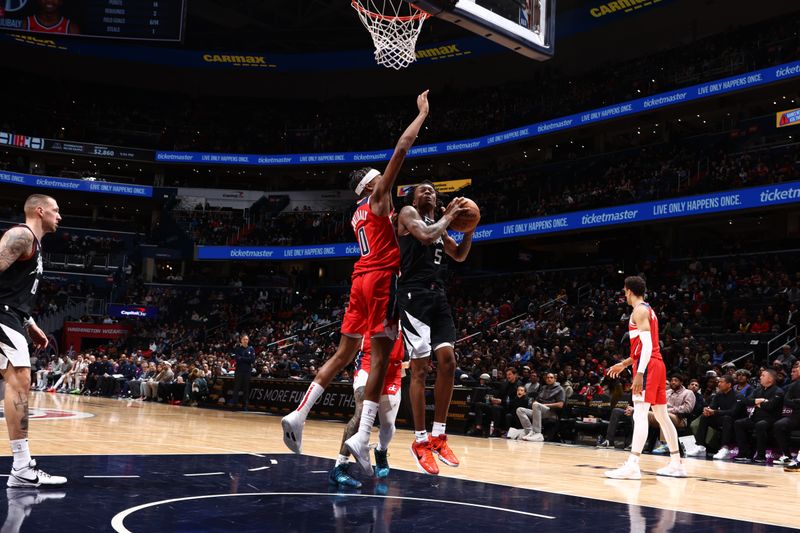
point(16, 242)
point(411, 222)
point(381, 199)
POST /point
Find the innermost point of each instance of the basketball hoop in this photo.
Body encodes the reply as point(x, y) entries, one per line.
point(395, 26)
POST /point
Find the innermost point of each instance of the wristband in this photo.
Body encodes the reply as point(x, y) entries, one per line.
point(28, 322)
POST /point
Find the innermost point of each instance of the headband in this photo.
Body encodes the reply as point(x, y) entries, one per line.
point(365, 181)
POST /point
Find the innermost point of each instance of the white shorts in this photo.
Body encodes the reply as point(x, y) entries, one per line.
point(360, 379)
point(13, 343)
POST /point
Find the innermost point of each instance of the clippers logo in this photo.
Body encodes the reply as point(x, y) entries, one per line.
point(134, 311)
point(21, 141)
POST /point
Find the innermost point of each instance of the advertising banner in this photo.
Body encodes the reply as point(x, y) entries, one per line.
point(790, 117)
point(281, 396)
point(718, 202)
point(75, 332)
point(441, 186)
point(132, 311)
point(577, 120)
point(68, 184)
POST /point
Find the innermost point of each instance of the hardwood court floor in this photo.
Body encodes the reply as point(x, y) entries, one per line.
point(758, 494)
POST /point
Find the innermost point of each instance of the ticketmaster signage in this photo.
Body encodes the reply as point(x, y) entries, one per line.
point(720, 202)
point(695, 92)
point(278, 253)
point(66, 184)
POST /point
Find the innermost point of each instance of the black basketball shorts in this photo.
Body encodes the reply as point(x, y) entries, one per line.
point(426, 321)
point(13, 342)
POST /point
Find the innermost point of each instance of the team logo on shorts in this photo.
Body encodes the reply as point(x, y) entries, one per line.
point(52, 414)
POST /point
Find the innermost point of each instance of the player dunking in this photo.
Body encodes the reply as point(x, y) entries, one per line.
point(371, 310)
point(20, 273)
point(425, 315)
point(387, 413)
point(649, 385)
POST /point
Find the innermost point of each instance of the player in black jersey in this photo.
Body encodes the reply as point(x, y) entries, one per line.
point(20, 273)
point(425, 316)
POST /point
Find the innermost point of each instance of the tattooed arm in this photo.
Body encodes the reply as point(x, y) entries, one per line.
point(16, 243)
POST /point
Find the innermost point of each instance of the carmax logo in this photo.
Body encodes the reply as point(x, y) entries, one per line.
point(441, 52)
point(238, 61)
point(625, 6)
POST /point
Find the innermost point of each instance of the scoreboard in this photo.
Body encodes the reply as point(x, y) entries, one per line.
point(158, 20)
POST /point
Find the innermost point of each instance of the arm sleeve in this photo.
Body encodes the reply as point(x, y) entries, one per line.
point(647, 350)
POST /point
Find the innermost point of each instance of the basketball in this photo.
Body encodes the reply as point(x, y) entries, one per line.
point(468, 220)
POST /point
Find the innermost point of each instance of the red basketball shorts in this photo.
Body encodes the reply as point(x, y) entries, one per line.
point(654, 383)
point(373, 306)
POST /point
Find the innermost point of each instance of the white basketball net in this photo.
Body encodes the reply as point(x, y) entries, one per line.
point(395, 26)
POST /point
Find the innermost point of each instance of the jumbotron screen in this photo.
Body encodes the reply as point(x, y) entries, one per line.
point(159, 20)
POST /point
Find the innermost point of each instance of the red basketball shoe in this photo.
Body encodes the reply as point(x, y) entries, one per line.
point(440, 448)
point(423, 455)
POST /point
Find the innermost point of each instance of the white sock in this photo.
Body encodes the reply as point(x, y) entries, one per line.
point(312, 395)
point(342, 460)
point(368, 414)
point(438, 429)
point(675, 459)
point(22, 455)
point(421, 436)
point(634, 459)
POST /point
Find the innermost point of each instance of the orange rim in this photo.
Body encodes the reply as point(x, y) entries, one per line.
point(380, 16)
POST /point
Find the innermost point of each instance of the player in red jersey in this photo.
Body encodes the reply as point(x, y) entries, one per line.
point(387, 413)
point(649, 385)
point(48, 19)
point(371, 312)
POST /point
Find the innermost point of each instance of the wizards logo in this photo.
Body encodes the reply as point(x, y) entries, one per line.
point(10, 6)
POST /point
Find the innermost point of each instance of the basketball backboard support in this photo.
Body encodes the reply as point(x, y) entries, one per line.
point(524, 26)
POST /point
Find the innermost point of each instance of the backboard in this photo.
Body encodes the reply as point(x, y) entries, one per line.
point(524, 26)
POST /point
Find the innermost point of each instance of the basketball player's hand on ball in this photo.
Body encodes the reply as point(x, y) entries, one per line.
point(637, 384)
point(38, 337)
point(615, 370)
point(422, 103)
point(455, 208)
